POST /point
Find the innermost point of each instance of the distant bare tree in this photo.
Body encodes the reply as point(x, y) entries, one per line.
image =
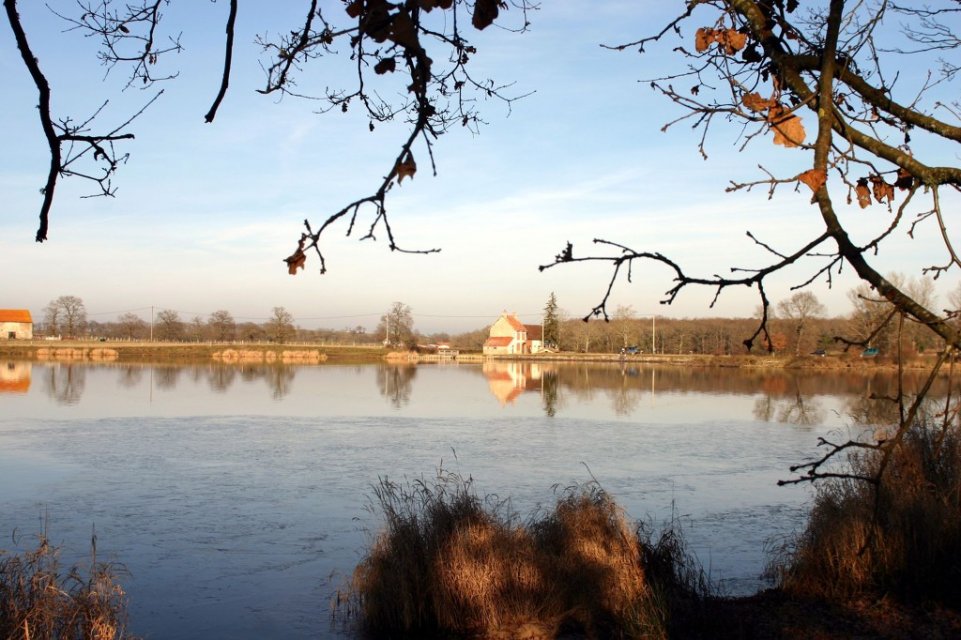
point(799, 309)
point(221, 326)
point(168, 326)
point(131, 326)
point(280, 327)
point(65, 316)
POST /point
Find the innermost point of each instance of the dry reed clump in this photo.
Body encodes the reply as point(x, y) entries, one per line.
point(38, 602)
point(901, 537)
point(451, 564)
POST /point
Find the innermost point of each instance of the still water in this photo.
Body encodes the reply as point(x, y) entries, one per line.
point(237, 497)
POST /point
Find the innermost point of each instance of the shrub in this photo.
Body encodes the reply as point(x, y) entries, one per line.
point(901, 537)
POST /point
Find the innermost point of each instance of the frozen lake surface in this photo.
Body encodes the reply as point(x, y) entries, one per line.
point(237, 498)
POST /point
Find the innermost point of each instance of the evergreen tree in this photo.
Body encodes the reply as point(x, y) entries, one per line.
point(551, 324)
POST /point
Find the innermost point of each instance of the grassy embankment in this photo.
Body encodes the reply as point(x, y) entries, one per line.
point(252, 353)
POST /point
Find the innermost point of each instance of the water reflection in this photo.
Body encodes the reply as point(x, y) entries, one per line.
point(802, 398)
point(395, 382)
point(65, 382)
point(15, 377)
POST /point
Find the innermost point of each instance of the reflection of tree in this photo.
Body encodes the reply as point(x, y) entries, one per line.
point(628, 395)
point(166, 377)
point(795, 408)
point(279, 379)
point(395, 382)
point(130, 376)
point(549, 390)
point(65, 383)
point(221, 377)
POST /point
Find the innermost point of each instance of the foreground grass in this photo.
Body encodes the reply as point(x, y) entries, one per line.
point(39, 601)
point(874, 561)
point(450, 564)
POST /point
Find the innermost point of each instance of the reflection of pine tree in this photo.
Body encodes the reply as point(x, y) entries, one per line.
point(549, 389)
point(280, 378)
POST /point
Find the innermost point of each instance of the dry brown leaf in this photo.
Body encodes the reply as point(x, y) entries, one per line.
point(905, 180)
point(354, 8)
point(485, 12)
point(863, 193)
point(814, 178)
point(403, 31)
point(732, 40)
point(387, 65)
point(788, 129)
point(406, 168)
point(295, 261)
point(881, 189)
point(756, 103)
point(703, 39)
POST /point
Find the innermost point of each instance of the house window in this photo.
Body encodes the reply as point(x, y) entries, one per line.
point(12, 335)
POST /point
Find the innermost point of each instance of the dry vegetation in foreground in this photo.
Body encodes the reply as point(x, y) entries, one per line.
point(449, 564)
point(39, 602)
point(868, 565)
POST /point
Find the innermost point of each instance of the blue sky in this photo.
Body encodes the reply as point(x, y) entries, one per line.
point(204, 214)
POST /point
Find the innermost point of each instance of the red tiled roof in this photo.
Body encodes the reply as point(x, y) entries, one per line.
point(498, 341)
point(533, 331)
point(15, 315)
point(514, 322)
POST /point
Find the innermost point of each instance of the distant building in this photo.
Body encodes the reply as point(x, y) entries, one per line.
point(15, 324)
point(508, 335)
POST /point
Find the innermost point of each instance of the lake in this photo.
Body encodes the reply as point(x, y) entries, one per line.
point(238, 497)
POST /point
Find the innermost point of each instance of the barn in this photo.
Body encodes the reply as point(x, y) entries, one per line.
point(15, 324)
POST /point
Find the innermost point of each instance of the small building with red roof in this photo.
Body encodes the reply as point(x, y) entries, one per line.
point(16, 324)
point(510, 336)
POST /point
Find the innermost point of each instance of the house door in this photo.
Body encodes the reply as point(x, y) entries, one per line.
point(12, 335)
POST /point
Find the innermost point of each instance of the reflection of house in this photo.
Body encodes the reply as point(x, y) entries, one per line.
point(508, 380)
point(15, 377)
point(15, 324)
point(508, 335)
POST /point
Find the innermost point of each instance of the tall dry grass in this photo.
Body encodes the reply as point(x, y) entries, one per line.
point(39, 601)
point(450, 564)
point(900, 538)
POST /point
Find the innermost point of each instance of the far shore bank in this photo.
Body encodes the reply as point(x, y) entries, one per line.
point(318, 353)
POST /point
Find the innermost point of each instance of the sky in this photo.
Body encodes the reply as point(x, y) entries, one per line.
point(205, 213)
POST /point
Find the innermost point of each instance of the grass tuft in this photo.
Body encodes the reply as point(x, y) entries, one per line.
point(901, 538)
point(38, 601)
point(450, 564)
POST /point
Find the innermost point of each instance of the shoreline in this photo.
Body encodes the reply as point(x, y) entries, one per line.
point(319, 353)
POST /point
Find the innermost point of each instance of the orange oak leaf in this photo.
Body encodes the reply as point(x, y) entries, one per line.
point(756, 103)
point(406, 168)
point(881, 189)
point(905, 180)
point(814, 178)
point(732, 40)
point(295, 261)
point(703, 39)
point(788, 129)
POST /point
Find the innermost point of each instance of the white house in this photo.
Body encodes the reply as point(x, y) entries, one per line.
point(508, 335)
point(15, 324)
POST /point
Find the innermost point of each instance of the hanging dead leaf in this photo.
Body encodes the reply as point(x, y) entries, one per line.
point(295, 261)
point(881, 189)
point(387, 65)
point(732, 40)
point(788, 129)
point(905, 180)
point(863, 193)
point(703, 39)
point(756, 103)
point(814, 178)
point(406, 168)
point(403, 31)
point(354, 8)
point(485, 12)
